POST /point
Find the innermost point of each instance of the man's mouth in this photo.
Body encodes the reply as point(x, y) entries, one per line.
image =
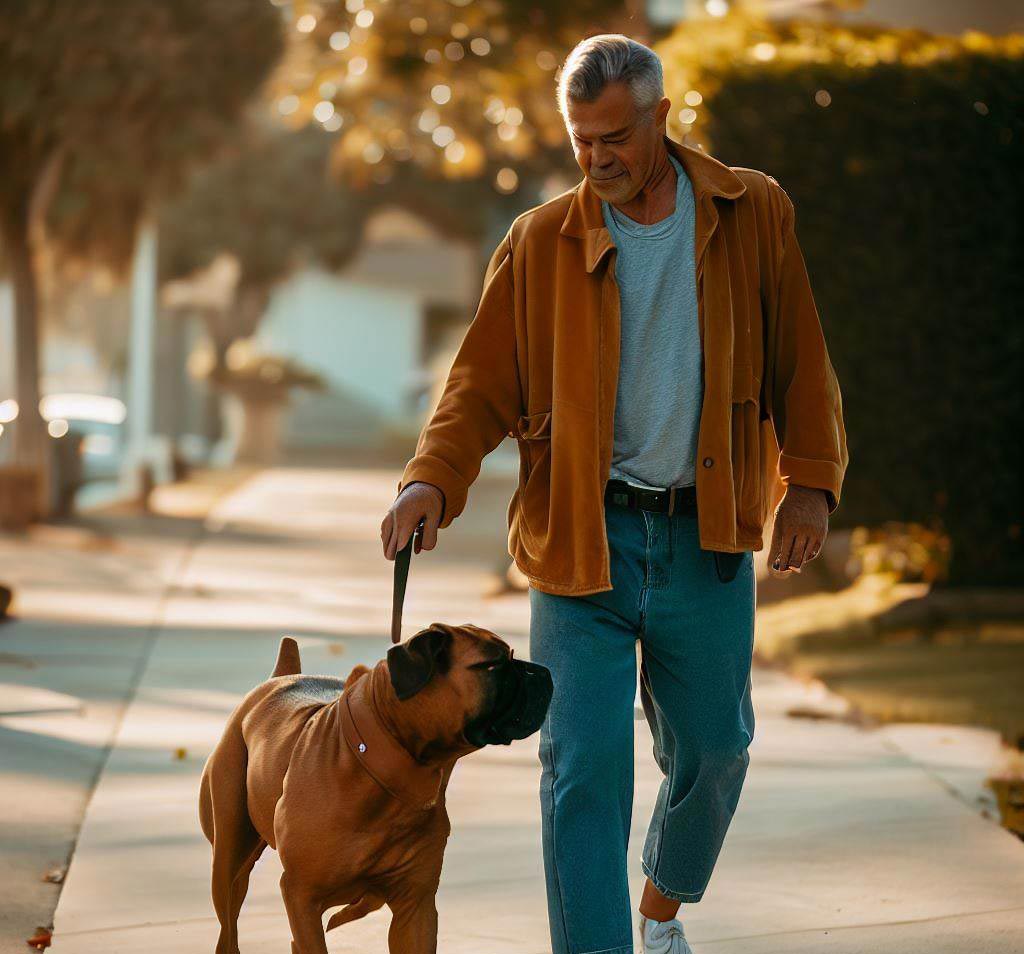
point(606, 178)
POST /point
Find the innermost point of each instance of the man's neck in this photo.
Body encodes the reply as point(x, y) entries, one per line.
point(656, 199)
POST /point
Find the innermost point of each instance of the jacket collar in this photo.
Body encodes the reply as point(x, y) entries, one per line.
point(708, 176)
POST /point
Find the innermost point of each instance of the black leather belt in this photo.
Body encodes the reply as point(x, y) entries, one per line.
point(672, 500)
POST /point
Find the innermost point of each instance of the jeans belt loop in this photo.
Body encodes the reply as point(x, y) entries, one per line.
point(671, 501)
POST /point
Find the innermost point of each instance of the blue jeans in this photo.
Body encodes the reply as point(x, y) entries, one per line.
point(696, 634)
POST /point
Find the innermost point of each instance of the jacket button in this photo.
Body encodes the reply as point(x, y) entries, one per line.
point(708, 462)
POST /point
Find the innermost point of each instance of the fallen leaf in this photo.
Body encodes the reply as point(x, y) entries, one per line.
point(180, 754)
point(42, 940)
point(55, 875)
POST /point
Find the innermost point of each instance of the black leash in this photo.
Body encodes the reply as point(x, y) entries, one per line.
point(402, 560)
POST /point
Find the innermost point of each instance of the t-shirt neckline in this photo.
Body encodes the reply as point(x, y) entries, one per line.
point(662, 227)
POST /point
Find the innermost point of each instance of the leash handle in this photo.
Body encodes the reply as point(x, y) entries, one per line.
point(402, 560)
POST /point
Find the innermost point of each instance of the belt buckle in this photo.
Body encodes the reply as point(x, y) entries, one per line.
point(646, 498)
point(652, 497)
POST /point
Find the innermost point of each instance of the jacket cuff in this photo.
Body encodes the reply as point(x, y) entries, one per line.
point(822, 474)
point(433, 470)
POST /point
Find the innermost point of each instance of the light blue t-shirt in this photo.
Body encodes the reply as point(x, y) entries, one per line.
point(661, 383)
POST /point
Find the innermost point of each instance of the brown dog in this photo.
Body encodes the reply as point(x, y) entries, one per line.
point(347, 779)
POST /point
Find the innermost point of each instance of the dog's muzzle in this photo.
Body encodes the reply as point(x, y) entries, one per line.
point(524, 694)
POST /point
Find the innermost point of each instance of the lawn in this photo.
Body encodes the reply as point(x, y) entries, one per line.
point(898, 655)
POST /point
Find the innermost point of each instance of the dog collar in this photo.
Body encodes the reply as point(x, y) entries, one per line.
point(380, 754)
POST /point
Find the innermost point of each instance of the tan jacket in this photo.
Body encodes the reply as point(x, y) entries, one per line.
point(539, 363)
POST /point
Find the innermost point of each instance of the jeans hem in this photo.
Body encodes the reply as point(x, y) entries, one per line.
point(687, 896)
point(625, 949)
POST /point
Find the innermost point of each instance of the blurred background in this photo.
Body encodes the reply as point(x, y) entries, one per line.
point(241, 241)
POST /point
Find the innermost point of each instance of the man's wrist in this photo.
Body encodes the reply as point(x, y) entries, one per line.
point(427, 483)
point(440, 494)
point(811, 492)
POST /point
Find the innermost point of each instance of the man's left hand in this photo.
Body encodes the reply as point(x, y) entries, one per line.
point(801, 525)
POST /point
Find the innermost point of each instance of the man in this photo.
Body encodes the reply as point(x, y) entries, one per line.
point(650, 339)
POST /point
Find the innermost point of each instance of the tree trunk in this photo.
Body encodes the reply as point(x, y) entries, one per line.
point(213, 415)
point(29, 438)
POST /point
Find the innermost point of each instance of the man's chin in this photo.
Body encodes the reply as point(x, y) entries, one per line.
point(611, 190)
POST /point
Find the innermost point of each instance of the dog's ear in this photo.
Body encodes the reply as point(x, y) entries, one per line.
point(413, 664)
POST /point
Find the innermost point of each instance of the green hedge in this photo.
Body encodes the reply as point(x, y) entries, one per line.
point(908, 193)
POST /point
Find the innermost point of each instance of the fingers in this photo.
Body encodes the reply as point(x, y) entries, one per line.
point(789, 554)
point(803, 549)
point(775, 547)
point(782, 548)
point(429, 534)
point(387, 529)
point(395, 534)
point(798, 554)
point(397, 538)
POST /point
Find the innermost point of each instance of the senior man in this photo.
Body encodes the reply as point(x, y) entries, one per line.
point(650, 339)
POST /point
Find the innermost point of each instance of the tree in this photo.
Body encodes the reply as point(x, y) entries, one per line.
point(902, 153)
point(463, 90)
point(269, 203)
point(103, 106)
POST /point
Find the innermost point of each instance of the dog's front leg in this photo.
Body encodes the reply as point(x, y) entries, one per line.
point(413, 924)
point(305, 916)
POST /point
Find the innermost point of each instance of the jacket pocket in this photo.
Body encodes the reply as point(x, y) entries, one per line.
point(533, 432)
point(746, 447)
point(534, 426)
point(727, 565)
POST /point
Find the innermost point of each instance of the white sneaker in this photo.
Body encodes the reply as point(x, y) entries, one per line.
point(662, 937)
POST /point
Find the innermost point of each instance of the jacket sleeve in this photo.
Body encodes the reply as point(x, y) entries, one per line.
point(482, 398)
point(806, 403)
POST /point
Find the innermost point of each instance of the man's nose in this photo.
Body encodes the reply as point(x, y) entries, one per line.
point(600, 157)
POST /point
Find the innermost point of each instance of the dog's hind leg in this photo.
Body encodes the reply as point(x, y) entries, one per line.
point(305, 917)
point(413, 924)
point(240, 886)
point(233, 859)
point(236, 843)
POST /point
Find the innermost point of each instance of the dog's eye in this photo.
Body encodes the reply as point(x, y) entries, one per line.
point(487, 665)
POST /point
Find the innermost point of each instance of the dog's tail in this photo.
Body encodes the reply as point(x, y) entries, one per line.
point(288, 663)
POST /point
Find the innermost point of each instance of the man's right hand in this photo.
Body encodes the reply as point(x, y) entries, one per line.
point(418, 500)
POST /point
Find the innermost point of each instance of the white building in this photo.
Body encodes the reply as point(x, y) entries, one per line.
point(382, 331)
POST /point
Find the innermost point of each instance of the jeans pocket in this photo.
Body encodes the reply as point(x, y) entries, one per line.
point(727, 565)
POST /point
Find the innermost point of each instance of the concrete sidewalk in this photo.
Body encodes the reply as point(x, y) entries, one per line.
point(841, 843)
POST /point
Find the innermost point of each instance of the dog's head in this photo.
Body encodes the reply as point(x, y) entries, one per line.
point(465, 681)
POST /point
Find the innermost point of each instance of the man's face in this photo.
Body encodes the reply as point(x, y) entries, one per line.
point(614, 147)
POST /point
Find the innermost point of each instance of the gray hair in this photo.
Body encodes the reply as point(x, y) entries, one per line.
point(608, 58)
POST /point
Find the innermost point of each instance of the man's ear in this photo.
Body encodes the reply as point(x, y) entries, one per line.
point(411, 665)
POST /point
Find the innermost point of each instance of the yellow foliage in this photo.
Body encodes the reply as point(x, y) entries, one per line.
point(333, 61)
point(699, 52)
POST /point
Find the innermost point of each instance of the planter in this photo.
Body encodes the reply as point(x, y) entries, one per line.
point(253, 429)
point(1010, 796)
